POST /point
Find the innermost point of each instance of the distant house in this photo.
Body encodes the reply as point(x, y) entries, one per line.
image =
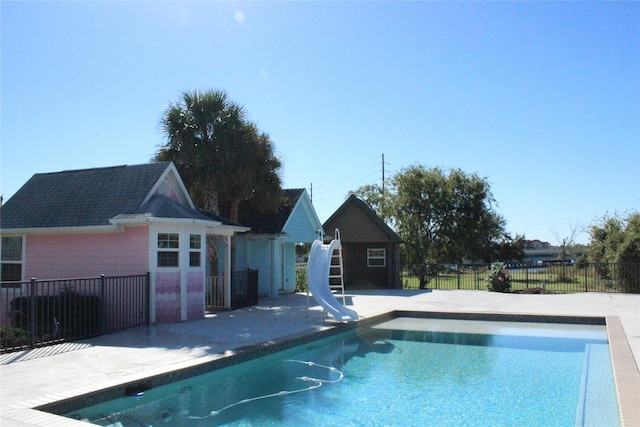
point(270, 245)
point(536, 244)
point(122, 220)
point(371, 249)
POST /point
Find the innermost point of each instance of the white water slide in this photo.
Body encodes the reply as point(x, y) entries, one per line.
point(318, 268)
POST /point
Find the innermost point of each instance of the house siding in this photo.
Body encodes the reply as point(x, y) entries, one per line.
point(289, 267)
point(195, 295)
point(358, 275)
point(168, 301)
point(300, 227)
point(179, 293)
point(260, 259)
point(87, 254)
point(355, 226)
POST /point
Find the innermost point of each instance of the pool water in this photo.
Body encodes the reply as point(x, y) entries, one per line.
point(409, 372)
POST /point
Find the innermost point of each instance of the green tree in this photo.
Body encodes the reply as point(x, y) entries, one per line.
point(379, 199)
point(506, 248)
point(441, 217)
point(222, 157)
point(615, 248)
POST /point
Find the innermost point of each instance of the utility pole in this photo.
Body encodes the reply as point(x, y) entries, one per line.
point(311, 195)
point(383, 174)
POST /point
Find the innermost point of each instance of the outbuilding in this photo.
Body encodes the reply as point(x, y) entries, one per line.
point(116, 221)
point(370, 248)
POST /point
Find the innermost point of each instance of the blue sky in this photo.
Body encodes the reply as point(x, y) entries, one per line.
point(541, 98)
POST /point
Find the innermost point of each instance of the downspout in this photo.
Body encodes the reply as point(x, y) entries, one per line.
point(227, 272)
point(184, 261)
point(274, 292)
point(153, 269)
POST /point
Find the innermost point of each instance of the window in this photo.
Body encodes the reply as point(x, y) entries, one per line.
point(376, 257)
point(195, 250)
point(168, 249)
point(11, 249)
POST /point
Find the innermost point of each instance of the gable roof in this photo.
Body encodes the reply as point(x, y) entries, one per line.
point(160, 206)
point(354, 201)
point(93, 197)
point(222, 220)
point(273, 223)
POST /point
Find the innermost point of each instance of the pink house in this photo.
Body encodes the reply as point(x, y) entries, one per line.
point(115, 221)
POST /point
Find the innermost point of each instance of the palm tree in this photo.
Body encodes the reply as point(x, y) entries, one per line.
point(221, 156)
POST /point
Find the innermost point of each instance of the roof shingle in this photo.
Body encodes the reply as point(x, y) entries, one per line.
point(272, 223)
point(87, 197)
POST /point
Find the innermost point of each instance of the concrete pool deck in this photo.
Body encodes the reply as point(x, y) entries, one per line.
point(37, 377)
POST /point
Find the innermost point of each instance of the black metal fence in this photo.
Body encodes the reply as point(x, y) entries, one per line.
point(44, 312)
point(244, 291)
point(552, 277)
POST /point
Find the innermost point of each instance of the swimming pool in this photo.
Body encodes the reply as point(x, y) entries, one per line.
point(403, 371)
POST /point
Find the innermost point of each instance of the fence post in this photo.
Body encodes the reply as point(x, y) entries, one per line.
point(103, 311)
point(148, 288)
point(586, 278)
point(458, 274)
point(32, 313)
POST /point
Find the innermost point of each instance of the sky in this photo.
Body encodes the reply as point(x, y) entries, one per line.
point(540, 98)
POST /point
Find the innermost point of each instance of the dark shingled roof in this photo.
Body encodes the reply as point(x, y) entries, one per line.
point(77, 198)
point(393, 236)
point(164, 207)
point(221, 219)
point(272, 223)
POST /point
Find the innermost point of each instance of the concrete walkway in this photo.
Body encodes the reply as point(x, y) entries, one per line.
point(33, 378)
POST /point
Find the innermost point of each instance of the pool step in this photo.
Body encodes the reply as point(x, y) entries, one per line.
point(598, 400)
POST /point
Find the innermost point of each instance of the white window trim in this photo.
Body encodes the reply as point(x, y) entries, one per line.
point(22, 258)
point(383, 258)
point(199, 250)
point(158, 250)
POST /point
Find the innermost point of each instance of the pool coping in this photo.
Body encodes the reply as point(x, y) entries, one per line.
point(625, 373)
point(33, 411)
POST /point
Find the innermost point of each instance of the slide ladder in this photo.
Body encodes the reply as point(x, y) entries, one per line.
point(336, 270)
point(324, 265)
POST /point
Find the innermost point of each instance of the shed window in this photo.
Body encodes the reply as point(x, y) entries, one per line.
point(11, 250)
point(168, 249)
point(376, 257)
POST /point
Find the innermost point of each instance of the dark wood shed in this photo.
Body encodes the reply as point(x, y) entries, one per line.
point(370, 248)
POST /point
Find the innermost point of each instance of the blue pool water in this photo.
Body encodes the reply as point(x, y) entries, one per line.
point(408, 372)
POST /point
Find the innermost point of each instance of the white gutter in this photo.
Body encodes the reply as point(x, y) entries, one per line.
point(118, 224)
point(62, 230)
point(140, 220)
point(258, 236)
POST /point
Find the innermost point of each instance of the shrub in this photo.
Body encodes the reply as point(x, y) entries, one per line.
point(66, 315)
point(13, 337)
point(301, 280)
point(615, 247)
point(627, 269)
point(498, 279)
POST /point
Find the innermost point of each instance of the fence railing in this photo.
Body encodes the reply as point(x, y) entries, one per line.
point(214, 293)
point(244, 290)
point(553, 277)
point(44, 312)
